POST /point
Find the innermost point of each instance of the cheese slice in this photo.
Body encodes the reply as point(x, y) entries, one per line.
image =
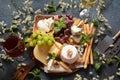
point(54, 67)
point(41, 53)
point(55, 48)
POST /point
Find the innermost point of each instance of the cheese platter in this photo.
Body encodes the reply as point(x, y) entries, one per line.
point(63, 43)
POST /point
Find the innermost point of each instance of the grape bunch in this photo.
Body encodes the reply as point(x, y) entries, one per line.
point(68, 19)
point(63, 36)
point(40, 39)
point(65, 33)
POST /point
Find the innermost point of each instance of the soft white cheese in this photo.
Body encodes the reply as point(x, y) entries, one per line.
point(69, 54)
point(75, 30)
point(45, 25)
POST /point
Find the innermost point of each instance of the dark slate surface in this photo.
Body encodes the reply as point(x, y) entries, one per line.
point(112, 13)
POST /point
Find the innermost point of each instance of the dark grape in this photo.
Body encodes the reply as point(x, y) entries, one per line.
point(65, 37)
point(69, 22)
point(67, 15)
point(59, 16)
point(61, 34)
point(67, 31)
point(70, 17)
point(62, 41)
point(57, 39)
point(64, 34)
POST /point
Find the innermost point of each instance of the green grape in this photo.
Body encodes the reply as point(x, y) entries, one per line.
point(44, 35)
point(27, 44)
point(51, 37)
point(38, 32)
point(31, 44)
point(39, 37)
point(43, 42)
point(46, 38)
point(39, 43)
point(50, 42)
point(28, 39)
point(34, 42)
point(34, 35)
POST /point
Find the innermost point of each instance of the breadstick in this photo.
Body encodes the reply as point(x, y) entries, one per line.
point(64, 65)
point(91, 27)
point(85, 53)
point(85, 44)
point(88, 52)
point(84, 28)
point(76, 22)
point(80, 23)
point(91, 54)
point(87, 29)
point(91, 57)
point(85, 32)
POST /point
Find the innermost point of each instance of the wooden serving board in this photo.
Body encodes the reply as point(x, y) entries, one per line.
point(36, 51)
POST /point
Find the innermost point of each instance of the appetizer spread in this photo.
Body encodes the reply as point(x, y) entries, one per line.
point(62, 43)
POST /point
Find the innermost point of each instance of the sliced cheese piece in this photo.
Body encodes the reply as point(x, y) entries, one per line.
point(41, 53)
point(55, 67)
point(55, 48)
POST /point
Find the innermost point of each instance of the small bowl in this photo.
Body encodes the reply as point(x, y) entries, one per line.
point(40, 17)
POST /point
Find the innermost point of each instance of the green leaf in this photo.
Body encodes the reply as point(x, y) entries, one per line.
point(117, 64)
point(109, 61)
point(59, 25)
point(60, 78)
point(62, 19)
point(52, 3)
point(95, 55)
point(57, 29)
point(117, 58)
point(32, 74)
point(37, 71)
point(56, 23)
point(85, 38)
point(62, 25)
point(57, 7)
point(97, 66)
point(89, 36)
point(51, 10)
point(82, 41)
point(52, 56)
point(37, 77)
point(95, 22)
